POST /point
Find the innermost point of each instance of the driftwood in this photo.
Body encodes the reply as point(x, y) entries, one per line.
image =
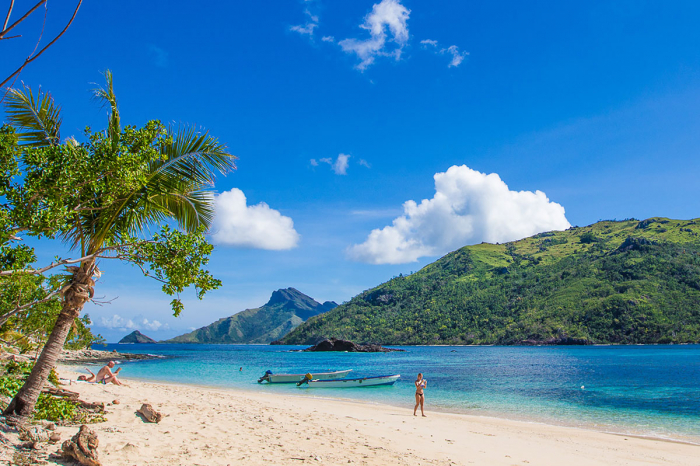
point(149, 414)
point(82, 447)
point(73, 396)
point(35, 435)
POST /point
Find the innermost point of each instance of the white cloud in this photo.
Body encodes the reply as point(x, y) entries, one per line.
point(308, 28)
point(364, 163)
point(328, 39)
point(389, 14)
point(340, 165)
point(257, 226)
point(468, 207)
point(313, 162)
point(426, 42)
point(153, 325)
point(457, 56)
point(119, 323)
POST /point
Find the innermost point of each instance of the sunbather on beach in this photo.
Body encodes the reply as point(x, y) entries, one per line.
point(105, 375)
point(85, 378)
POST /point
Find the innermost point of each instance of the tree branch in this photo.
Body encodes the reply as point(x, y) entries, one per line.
point(5, 30)
point(4, 318)
point(53, 265)
point(29, 60)
point(7, 18)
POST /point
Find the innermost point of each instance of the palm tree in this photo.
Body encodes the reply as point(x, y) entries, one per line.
point(176, 186)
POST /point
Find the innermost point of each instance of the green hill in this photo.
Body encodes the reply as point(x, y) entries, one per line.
point(136, 337)
point(285, 310)
point(611, 282)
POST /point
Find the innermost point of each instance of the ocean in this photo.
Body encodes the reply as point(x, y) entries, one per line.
point(650, 391)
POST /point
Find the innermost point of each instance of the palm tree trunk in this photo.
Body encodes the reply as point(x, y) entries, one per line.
point(75, 296)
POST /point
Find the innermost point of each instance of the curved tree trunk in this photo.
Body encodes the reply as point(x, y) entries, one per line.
point(75, 296)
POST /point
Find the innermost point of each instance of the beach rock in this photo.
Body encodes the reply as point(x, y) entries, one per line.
point(33, 435)
point(82, 447)
point(149, 414)
point(115, 402)
point(333, 344)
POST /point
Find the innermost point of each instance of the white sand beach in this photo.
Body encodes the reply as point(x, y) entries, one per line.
point(205, 426)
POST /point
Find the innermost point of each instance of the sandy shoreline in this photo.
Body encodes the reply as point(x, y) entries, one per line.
point(210, 426)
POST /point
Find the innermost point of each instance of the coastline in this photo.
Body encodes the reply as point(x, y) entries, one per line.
point(472, 414)
point(204, 425)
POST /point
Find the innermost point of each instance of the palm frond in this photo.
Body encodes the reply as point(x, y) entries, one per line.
point(37, 119)
point(195, 156)
point(108, 98)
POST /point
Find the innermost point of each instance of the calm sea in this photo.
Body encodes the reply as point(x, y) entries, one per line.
point(636, 390)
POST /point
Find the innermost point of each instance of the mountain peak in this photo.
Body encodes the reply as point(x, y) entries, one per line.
point(136, 337)
point(285, 295)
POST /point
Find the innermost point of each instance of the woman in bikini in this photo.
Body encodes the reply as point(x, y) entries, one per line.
point(420, 383)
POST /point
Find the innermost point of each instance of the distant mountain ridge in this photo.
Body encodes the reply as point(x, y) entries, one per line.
point(619, 282)
point(285, 311)
point(136, 337)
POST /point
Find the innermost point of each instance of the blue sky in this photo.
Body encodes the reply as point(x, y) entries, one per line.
point(594, 105)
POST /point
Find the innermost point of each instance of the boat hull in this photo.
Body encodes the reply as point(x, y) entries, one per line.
point(351, 383)
point(294, 378)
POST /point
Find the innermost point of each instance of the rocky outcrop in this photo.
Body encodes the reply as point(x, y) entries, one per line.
point(560, 340)
point(333, 344)
point(97, 356)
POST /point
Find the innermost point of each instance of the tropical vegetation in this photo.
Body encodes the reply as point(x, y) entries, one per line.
point(100, 197)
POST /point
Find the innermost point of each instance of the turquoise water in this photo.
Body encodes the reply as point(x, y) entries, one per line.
point(642, 390)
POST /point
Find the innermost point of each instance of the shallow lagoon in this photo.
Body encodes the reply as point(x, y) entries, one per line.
point(642, 390)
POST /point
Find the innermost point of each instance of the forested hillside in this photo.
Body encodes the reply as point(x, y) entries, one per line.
point(610, 282)
point(286, 309)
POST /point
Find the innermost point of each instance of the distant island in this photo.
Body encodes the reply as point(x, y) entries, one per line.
point(136, 337)
point(613, 282)
point(287, 309)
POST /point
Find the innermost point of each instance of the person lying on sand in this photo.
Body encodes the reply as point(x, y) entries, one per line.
point(105, 375)
point(85, 378)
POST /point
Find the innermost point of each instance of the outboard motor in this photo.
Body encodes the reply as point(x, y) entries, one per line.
point(265, 377)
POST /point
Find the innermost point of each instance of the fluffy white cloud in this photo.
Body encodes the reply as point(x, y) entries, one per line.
point(308, 28)
point(389, 14)
point(427, 42)
point(364, 163)
point(120, 323)
point(256, 226)
point(468, 207)
point(328, 39)
point(339, 166)
point(457, 56)
point(313, 162)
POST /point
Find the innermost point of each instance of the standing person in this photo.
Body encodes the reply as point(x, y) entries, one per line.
point(420, 383)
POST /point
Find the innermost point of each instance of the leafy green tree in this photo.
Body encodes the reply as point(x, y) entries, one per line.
point(101, 197)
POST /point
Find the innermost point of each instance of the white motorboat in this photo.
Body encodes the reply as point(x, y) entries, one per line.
point(294, 378)
point(348, 383)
